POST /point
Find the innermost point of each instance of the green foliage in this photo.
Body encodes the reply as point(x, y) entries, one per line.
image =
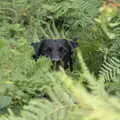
point(62, 106)
point(4, 101)
point(110, 72)
point(30, 90)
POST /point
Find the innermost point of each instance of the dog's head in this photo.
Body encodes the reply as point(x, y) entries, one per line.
point(57, 50)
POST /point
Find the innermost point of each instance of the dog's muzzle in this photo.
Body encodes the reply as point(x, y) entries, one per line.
point(57, 62)
point(56, 59)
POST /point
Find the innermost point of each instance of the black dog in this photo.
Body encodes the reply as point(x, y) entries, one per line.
point(59, 51)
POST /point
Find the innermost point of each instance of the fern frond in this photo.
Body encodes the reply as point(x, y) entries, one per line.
point(51, 31)
point(110, 73)
point(110, 69)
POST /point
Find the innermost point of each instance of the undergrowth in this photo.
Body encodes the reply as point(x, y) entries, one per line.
point(30, 89)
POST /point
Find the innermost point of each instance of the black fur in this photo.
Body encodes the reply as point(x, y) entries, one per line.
point(59, 51)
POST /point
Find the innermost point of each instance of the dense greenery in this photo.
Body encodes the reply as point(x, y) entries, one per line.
point(30, 90)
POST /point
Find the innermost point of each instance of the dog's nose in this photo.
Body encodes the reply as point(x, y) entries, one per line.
point(56, 59)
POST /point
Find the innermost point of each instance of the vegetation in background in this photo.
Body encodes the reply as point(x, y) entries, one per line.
point(30, 90)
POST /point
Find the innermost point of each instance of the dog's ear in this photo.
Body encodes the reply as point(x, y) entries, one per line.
point(72, 44)
point(37, 48)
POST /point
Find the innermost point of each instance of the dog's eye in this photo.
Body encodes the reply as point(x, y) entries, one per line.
point(60, 49)
point(49, 49)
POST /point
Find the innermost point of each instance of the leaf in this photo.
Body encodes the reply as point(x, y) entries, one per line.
point(4, 101)
point(2, 43)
